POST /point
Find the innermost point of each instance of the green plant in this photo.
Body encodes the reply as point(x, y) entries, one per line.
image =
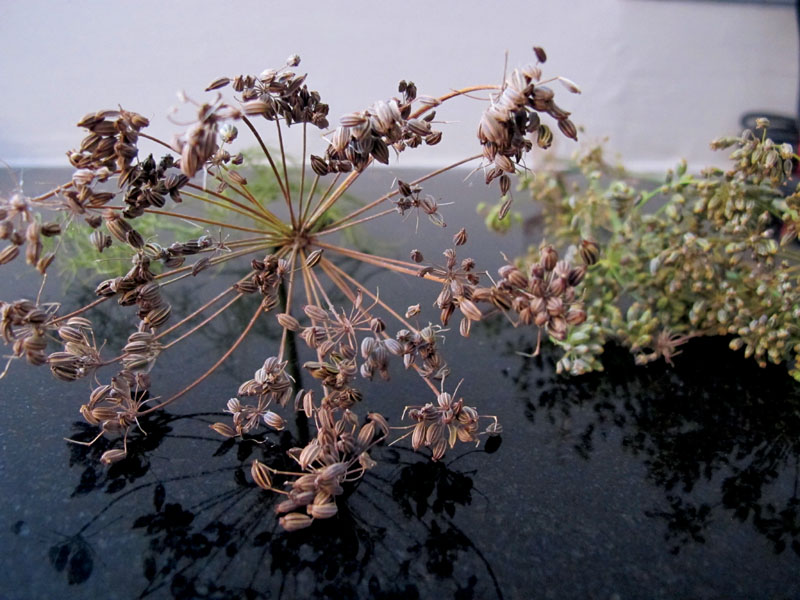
point(706, 254)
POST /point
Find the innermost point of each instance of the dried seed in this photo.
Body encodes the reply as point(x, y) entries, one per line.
point(568, 128)
point(319, 166)
point(380, 421)
point(412, 311)
point(111, 456)
point(504, 208)
point(274, 420)
point(309, 454)
point(158, 316)
point(287, 321)
point(315, 313)
point(8, 254)
point(322, 511)
point(223, 429)
point(469, 309)
point(460, 238)
point(314, 258)
point(294, 521)
point(544, 136)
point(237, 177)
point(218, 83)
point(260, 474)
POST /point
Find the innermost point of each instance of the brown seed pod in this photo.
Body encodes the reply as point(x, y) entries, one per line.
point(111, 456)
point(294, 521)
point(8, 254)
point(322, 511)
point(544, 136)
point(589, 252)
point(260, 474)
point(568, 128)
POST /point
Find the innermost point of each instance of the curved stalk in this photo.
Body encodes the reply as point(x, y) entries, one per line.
point(213, 367)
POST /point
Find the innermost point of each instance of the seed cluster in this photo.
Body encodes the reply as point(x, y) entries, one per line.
point(411, 198)
point(458, 284)
point(138, 287)
point(513, 116)
point(115, 408)
point(368, 134)
point(19, 227)
point(442, 424)
point(547, 296)
point(338, 454)
point(24, 324)
point(80, 356)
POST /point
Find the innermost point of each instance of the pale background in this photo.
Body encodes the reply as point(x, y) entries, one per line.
point(660, 78)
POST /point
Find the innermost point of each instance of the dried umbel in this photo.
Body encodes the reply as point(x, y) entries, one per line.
point(545, 295)
point(511, 125)
point(440, 425)
point(289, 261)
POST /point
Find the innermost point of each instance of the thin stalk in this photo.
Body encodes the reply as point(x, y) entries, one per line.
point(79, 311)
point(267, 154)
point(388, 195)
point(196, 312)
point(157, 141)
point(244, 210)
point(321, 289)
point(320, 201)
point(167, 213)
point(388, 263)
point(463, 91)
point(213, 367)
point(187, 270)
point(356, 222)
point(204, 322)
point(53, 192)
point(324, 206)
point(244, 192)
point(302, 173)
point(227, 198)
point(288, 307)
point(335, 275)
point(308, 201)
point(285, 173)
point(331, 270)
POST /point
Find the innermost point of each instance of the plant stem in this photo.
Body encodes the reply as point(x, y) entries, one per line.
point(267, 154)
point(213, 367)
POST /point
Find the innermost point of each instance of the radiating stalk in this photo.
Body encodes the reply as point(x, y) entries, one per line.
point(267, 154)
point(213, 367)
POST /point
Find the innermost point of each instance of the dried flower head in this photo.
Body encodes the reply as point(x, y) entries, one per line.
point(289, 259)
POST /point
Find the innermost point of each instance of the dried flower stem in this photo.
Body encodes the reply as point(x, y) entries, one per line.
point(211, 369)
point(289, 294)
point(268, 155)
point(389, 263)
point(204, 322)
point(393, 193)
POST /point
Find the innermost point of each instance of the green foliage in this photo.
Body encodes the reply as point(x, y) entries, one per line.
point(491, 215)
point(79, 255)
point(707, 254)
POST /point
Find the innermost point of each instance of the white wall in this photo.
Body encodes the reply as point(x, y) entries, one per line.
point(660, 78)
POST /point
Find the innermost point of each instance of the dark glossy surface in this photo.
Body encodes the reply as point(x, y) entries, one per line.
point(637, 483)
